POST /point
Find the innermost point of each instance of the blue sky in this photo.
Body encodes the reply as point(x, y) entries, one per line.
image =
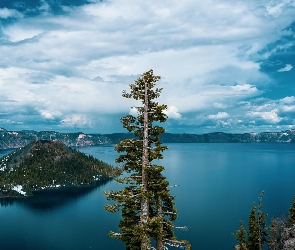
point(226, 65)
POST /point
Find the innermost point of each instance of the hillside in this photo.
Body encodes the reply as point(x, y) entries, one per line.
point(46, 164)
point(13, 139)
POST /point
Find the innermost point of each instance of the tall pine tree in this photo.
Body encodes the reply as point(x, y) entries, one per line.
point(145, 202)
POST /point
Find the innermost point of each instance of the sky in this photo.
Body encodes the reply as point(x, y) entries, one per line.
point(225, 65)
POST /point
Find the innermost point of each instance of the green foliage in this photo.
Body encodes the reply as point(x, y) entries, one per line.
point(257, 233)
point(50, 164)
point(240, 235)
point(261, 221)
point(145, 203)
point(279, 235)
point(253, 233)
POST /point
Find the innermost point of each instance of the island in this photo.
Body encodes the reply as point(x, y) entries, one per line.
point(49, 164)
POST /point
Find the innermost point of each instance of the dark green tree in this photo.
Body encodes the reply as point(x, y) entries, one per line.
point(253, 233)
point(261, 222)
point(292, 213)
point(240, 235)
point(257, 233)
point(145, 203)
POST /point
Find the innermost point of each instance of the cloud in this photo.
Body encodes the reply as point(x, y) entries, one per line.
point(287, 104)
point(219, 115)
point(269, 116)
point(288, 100)
point(18, 33)
point(219, 105)
point(172, 112)
point(275, 8)
point(76, 120)
point(288, 108)
point(9, 13)
point(273, 111)
point(288, 67)
point(72, 67)
point(46, 114)
point(50, 115)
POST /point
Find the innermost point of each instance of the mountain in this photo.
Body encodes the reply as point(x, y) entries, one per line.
point(219, 137)
point(46, 164)
point(13, 139)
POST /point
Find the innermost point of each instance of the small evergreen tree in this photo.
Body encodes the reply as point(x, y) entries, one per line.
point(240, 235)
point(261, 221)
point(257, 234)
point(253, 233)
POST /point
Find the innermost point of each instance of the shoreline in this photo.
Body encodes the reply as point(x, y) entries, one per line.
point(31, 193)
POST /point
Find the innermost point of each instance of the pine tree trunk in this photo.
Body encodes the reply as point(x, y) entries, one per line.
point(160, 244)
point(145, 243)
point(160, 241)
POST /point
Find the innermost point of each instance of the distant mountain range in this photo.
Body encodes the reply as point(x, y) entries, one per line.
point(17, 139)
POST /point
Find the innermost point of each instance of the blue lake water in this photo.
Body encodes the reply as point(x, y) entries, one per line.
point(218, 183)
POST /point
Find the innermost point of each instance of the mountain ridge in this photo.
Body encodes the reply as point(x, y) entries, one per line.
point(17, 139)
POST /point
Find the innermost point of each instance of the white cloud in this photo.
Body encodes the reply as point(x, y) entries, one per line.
point(219, 115)
point(46, 114)
point(44, 6)
point(207, 53)
point(76, 120)
point(172, 112)
point(50, 115)
point(288, 100)
point(269, 116)
point(288, 108)
point(219, 105)
point(246, 88)
point(288, 67)
point(8, 13)
point(17, 33)
point(276, 7)
point(287, 104)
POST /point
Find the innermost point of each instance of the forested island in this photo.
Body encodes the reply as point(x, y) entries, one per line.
point(47, 164)
point(16, 139)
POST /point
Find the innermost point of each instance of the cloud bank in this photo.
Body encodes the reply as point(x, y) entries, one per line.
point(63, 67)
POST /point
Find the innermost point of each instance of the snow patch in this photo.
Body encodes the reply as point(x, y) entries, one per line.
point(18, 189)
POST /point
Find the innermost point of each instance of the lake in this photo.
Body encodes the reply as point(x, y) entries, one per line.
point(218, 183)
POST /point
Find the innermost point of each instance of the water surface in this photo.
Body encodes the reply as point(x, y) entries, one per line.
point(218, 184)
